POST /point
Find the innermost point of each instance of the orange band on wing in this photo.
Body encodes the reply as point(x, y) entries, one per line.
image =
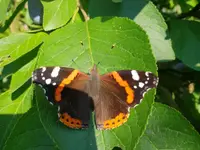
point(69, 121)
point(116, 122)
point(129, 91)
point(64, 82)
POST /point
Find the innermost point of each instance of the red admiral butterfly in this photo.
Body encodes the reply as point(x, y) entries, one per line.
point(111, 95)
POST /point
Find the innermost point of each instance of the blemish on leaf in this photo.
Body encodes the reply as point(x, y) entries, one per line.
point(81, 43)
point(113, 46)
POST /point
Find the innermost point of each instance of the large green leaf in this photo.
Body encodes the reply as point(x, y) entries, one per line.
point(186, 41)
point(117, 43)
point(57, 13)
point(146, 15)
point(16, 45)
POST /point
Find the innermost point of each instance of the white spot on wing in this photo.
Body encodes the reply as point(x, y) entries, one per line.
point(48, 81)
point(42, 74)
point(43, 78)
point(44, 69)
point(146, 82)
point(58, 115)
point(135, 75)
point(54, 83)
point(135, 87)
point(55, 72)
point(141, 85)
point(147, 74)
point(58, 108)
point(145, 92)
point(44, 91)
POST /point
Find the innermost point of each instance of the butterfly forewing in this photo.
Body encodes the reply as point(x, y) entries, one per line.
point(139, 82)
point(120, 90)
point(67, 88)
point(49, 78)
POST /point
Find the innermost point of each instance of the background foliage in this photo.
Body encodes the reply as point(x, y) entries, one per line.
point(161, 36)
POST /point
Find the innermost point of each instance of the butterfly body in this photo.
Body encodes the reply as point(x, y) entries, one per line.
point(110, 95)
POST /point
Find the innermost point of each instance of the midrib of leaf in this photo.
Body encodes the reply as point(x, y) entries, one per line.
point(13, 118)
point(46, 130)
point(102, 136)
point(89, 44)
point(57, 9)
point(144, 128)
point(118, 139)
point(152, 143)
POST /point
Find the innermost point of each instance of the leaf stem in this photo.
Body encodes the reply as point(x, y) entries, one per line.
point(86, 17)
point(194, 12)
point(74, 16)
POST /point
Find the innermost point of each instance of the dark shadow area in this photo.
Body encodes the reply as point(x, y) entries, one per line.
point(19, 63)
point(21, 89)
point(121, 9)
point(180, 90)
point(116, 148)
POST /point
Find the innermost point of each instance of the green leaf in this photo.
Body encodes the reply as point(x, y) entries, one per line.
point(57, 13)
point(16, 45)
point(168, 129)
point(3, 10)
point(154, 24)
point(146, 15)
point(110, 42)
point(116, 43)
point(186, 39)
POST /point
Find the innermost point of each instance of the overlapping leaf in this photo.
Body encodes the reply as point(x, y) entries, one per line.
point(116, 44)
point(57, 13)
point(146, 15)
point(16, 45)
point(186, 40)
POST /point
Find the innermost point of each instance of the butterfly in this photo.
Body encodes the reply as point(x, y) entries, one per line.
point(77, 94)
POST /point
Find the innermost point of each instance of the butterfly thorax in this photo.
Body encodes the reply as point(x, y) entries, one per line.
point(93, 85)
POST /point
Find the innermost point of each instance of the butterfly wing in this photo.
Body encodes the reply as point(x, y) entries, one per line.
point(66, 87)
point(118, 92)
